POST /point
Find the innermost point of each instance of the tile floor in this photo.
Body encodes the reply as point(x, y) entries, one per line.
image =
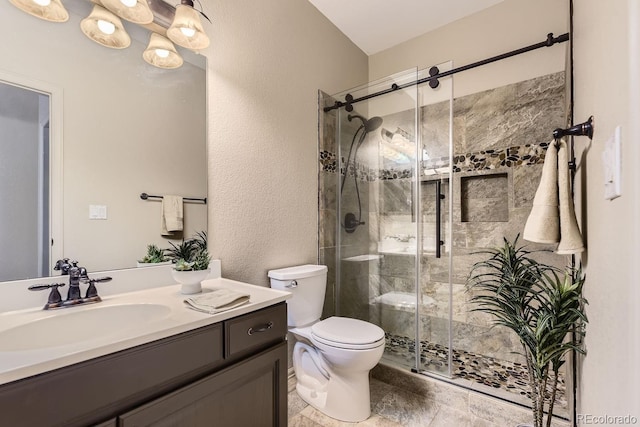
point(391, 407)
point(410, 400)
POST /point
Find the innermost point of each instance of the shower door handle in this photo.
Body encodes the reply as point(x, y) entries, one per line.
point(439, 197)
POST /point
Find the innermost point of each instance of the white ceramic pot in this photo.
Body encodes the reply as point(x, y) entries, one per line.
point(191, 281)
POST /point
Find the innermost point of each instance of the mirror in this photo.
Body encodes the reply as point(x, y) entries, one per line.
point(118, 127)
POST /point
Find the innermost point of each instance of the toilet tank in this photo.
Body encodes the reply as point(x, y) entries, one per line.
point(307, 284)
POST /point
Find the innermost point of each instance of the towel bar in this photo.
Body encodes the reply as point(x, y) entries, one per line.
point(145, 196)
point(582, 129)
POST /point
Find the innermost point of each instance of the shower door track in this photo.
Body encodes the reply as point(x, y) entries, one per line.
point(434, 73)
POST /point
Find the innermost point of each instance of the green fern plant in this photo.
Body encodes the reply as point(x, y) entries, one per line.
point(201, 260)
point(542, 305)
point(154, 255)
point(200, 240)
point(183, 250)
point(191, 254)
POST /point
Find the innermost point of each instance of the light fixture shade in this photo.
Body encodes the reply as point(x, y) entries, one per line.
point(187, 20)
point(52, 10)
point(116, 38)
point(162, 53)
point(139, 13)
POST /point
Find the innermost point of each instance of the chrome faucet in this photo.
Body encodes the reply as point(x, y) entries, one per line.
point(76, 275)
point(63, 266)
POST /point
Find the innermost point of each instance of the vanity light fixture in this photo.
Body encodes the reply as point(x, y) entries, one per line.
point(162, 53)
point(186, 29)
point(49, 10)
point(103, 25)
point(105, 28)
point(136, 11)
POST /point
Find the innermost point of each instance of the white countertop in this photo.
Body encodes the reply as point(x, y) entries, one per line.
point(22, 363)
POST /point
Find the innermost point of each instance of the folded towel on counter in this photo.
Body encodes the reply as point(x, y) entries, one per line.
point(172, 214)
point(217, 301)
point(543, 224)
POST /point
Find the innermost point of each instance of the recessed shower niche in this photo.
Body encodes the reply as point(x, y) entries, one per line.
point(484, 198)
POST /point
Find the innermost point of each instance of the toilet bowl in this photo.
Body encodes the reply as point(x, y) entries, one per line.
point(332, 357)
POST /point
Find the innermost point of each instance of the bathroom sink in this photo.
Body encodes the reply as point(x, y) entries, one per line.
point(62, 328)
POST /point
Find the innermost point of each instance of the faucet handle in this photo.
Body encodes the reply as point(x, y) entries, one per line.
point(90, 281)
point(91, 290)
point(54, 296)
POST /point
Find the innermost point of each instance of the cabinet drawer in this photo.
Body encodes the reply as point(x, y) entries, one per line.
point(255, 330)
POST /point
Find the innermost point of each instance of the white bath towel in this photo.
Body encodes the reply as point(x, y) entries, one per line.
point(217, 301)
point(172, 215)
point(543, 224)
point(570, 237)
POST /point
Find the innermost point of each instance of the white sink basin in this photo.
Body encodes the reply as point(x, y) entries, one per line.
point(33, 341)
point(95, 322)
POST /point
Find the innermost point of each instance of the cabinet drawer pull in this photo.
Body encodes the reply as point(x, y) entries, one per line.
point(261, 328)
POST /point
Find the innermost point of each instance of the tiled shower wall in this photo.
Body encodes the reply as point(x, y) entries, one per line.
point(500, 138)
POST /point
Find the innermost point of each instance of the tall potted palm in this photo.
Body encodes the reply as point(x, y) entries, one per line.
point(543, 305)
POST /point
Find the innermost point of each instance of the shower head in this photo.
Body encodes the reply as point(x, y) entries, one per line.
point(369, 124)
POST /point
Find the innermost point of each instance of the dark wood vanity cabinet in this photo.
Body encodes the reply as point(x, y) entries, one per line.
point(229, 374)
point(243, 395)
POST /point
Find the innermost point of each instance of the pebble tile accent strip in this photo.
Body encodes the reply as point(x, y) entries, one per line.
point(494, 373)
point(522, 155)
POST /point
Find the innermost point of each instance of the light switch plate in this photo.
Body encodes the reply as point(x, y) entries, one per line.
point(611, 160)
point(97, 212)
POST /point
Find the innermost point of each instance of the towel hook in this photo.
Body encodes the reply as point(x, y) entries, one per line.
point(582, 129)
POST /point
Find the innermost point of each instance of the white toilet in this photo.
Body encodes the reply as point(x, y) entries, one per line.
point(332, 357)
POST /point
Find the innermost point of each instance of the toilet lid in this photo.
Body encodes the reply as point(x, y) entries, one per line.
point(352, 332)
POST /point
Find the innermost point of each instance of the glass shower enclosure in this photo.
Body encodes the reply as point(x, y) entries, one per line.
point(386, 208)
point(412, 185)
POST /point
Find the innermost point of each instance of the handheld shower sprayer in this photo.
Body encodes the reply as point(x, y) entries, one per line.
point(368, 125)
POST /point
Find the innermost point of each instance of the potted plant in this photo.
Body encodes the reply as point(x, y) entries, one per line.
point(543, 305)
point(191, 263)
point(154, 256)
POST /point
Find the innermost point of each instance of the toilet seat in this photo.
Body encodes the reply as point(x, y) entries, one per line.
point(347, 333)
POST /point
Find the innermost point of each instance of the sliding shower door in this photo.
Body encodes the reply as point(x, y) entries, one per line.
point(385, 213)
point(436, 234)
point(376, 143)
point(414, 186)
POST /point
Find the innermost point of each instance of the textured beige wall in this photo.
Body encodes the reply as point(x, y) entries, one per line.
point(509, 25)
point(266, 63)
point(607, 67)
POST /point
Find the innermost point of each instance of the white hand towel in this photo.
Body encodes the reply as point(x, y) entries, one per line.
point(217, 301)
point(172, 215)
point(543, 224)
point(570, 237)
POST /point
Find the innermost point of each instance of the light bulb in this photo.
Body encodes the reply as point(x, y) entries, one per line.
point(162, 53)
point(129, 3)
point(189, 32)
point(43, 3)
point(106, 26)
